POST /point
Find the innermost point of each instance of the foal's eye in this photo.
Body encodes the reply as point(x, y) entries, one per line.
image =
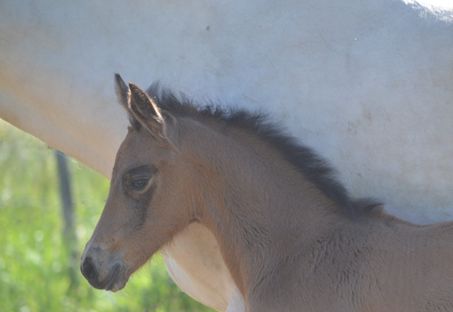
point(138, 179)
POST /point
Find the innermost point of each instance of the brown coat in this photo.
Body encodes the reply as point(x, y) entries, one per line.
point(289, 234)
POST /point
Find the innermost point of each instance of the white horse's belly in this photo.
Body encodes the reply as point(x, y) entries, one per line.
point(195, 264)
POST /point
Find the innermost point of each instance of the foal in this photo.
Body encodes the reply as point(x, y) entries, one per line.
point(289, 234)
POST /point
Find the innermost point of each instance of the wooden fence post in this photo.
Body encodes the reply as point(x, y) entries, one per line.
point(69, 231)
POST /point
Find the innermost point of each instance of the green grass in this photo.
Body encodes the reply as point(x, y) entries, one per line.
point(35, 264)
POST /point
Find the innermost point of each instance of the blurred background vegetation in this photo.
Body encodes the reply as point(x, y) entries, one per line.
point(38, 268)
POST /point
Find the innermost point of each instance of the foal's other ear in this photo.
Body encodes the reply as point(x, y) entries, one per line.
point(122, 91)
point(146, 111)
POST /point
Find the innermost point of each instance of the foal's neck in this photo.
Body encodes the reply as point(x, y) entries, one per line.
point(259, 206)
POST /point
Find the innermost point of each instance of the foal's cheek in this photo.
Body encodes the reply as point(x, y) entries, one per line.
point(139, 208)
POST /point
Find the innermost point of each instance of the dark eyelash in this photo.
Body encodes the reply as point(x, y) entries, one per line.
point(140, 183)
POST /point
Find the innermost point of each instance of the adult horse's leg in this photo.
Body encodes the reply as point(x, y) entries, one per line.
point(236, 303)
point(192, 258)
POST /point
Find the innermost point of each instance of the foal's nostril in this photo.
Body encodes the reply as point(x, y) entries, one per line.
point(89, 270)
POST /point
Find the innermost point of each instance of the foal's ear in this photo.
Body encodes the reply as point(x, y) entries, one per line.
point(146, 111)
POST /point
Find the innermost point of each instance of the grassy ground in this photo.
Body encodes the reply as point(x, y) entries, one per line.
point(35, 265)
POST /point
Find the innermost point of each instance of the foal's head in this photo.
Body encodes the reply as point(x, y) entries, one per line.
point(145, 207)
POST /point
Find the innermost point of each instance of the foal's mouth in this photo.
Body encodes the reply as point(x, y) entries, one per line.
point(114, 281)
point(117, 279)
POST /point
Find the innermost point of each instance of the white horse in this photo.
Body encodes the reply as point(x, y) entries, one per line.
point(368, 84)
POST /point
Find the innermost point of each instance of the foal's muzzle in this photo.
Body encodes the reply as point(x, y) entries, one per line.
point(103, 270)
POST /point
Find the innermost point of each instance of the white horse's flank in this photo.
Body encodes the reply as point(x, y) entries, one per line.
point(369, 85)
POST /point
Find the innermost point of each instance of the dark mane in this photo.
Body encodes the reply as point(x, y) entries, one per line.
point(313, 167)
